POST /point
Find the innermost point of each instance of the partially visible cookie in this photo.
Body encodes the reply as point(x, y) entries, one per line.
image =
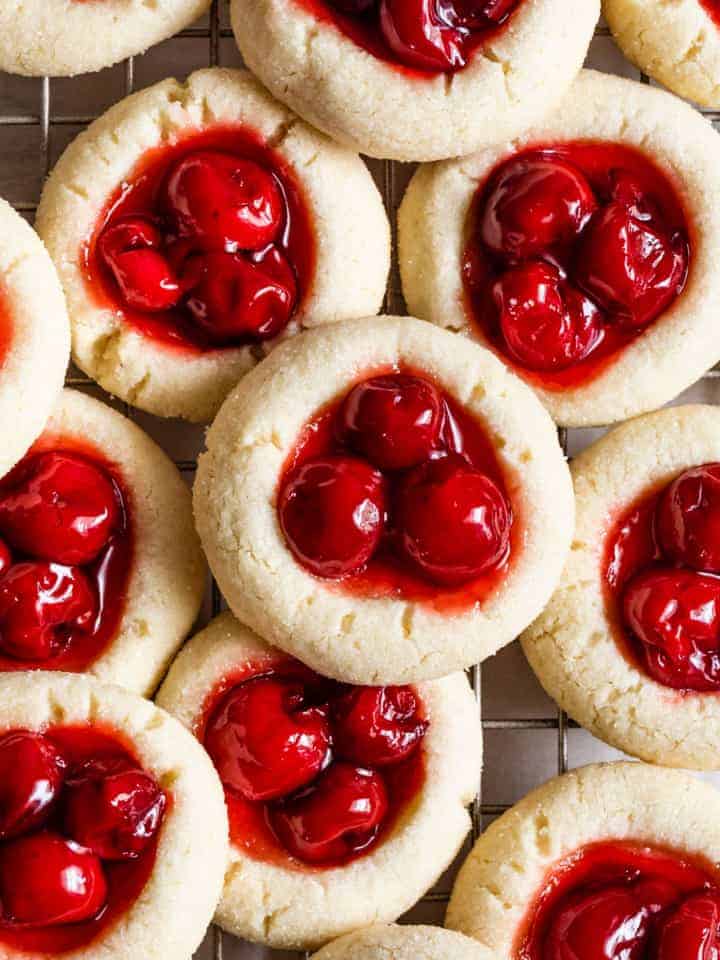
point(34, 336)
point(346, 803)
point(195, 225)
point(61, 38)
point(408, 942)
point(677, 44)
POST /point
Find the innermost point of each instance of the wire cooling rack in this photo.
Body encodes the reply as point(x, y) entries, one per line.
point(527, 740)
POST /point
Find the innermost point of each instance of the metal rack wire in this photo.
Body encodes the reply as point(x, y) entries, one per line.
point(47, 121)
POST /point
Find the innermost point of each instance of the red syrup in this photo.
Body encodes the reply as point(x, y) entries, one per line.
point(620, 900)
point(118, 882)
point(6, 328)
point(186, 292)
point(713, 9)
point(391, 566)
point(324, 714)
point(662, 590)
point(572, 251)
point(40, 562)
point(419, 38)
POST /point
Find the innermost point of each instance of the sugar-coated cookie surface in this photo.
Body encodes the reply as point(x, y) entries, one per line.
point(393, 113)
point(405, 942)
point(347, 219)
point(62, 38)
point(290, 907)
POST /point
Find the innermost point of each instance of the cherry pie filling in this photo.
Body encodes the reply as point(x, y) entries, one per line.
point(6, 328)
point(573, 250)
point(79, 826)
point(662, 578)
point(617, 900)
point(421, 37)
point(315, 772)
point(207, 245)
point(396, 490)
point(713, 8)
point(66, 548)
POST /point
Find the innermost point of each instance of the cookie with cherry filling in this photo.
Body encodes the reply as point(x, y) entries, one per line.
point(583, 253)
point(61, 38)
point(408, 942)
point(613, 860)
point(416, 79)
point(629, 644)
point(34, 336)
point(346, 803)
point(216, 224)
point(677, 44)
point(113, 830)
point(385, 507)
point(100, 566)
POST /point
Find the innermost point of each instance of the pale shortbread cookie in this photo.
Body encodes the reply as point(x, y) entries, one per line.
point(675, 350)
point(303, 909)
point(410, 942)
point(61, 38)
point(676, 42)
point(346, 211)
point(508, 866)
point(171, 915)
point(167, 577)
point(379, 110)
point(374, 639)
point(572, 646)
point(32, 304)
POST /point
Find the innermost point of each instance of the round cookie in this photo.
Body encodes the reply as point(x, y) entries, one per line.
point(156, 353)
point(377, 105)
point(403, 943)
point(62, 38)
point(643, 361)
point(146, 567)
point(677, 44)
point(659, 824)
point(282, 902)
point(34, 336)
point(164, 911)
point(369, 631)
point(578, 646)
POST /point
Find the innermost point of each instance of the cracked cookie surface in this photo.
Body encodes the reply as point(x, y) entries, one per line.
point(406, 942)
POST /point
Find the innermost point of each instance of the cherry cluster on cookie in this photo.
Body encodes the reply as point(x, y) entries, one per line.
point(559, 260)
point(212, 250)
point(316, 755)
point(664, 566)
point(66, 823)
point(395, 478)
point(435, 36)
point(63, 535)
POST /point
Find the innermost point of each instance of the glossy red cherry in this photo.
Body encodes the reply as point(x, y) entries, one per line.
point(418, 37)
point(31, 776)
point(354, 7)
point(675, 614)
point(536, 205)
point(332, 513)
point(46, 880)
point(453, 521)
point(547, 324)
point(688, 518)
point(340, 814)
point(237, 299)
point(64, 509)
point(132, 249)
point(40, 603)
point(629, 264)
point(112, 808)
point(265, 742)
point(377, 726)
point(691, 931)
point(475, 14)
point(224, 202)
point(394, 421)
point(5, 558)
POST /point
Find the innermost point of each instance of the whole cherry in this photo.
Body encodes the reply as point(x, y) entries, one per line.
point(688, 518)
point(475, 14)
point(5, 558)
point(416, 34)
point(132, 250)
point(338, 815)
point(377, 726)
point(32, 771)
point(264, 741)
point(63, 509)
point(691, 931)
